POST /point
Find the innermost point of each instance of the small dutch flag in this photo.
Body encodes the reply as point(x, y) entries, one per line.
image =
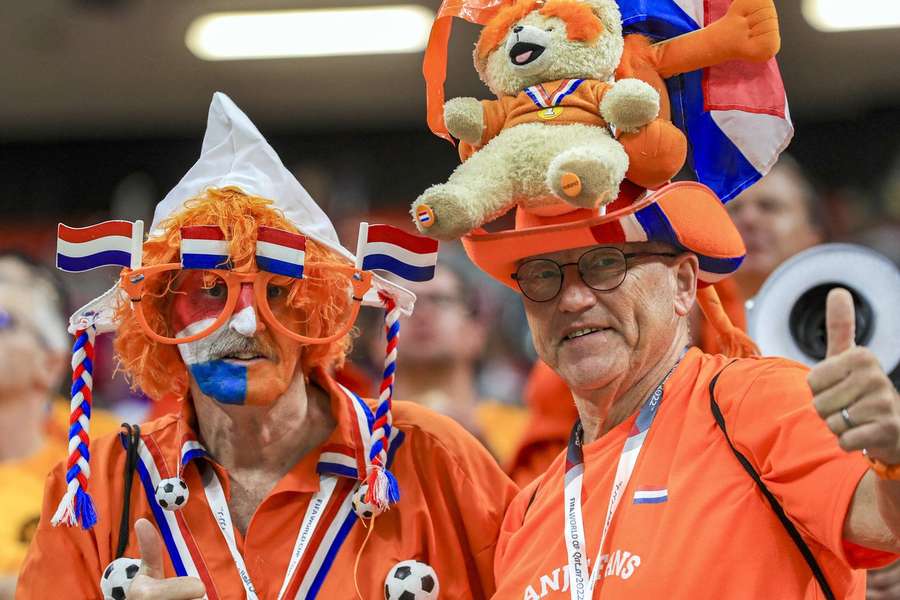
point(204, 247)
point(111, 243)
point(388, 248)
point(280, 252)
point(650, 495)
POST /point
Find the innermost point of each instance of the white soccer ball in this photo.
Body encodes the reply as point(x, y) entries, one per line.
point(363, 509)
point(172, 493)
point(411, 580)
point(117, 578)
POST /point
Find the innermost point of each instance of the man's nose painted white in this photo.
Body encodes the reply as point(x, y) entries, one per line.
point(244, 321)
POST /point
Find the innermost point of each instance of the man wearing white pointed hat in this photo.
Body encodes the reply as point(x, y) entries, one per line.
point(273, 481)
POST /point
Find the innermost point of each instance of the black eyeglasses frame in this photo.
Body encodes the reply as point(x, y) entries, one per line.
point(625, 255)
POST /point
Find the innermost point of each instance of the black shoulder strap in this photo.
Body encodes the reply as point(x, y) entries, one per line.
point(131, 437)
point(773, 502)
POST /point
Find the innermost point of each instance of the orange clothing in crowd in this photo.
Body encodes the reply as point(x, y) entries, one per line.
point(22, 489)
point(710, 531)
point(581, 106)
point(733, 303)
point(452, 500)
point(552, 414)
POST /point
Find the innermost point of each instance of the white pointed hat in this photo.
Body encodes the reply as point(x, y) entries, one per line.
point(235, 153)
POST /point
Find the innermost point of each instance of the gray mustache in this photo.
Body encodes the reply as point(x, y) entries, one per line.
point(230, 343)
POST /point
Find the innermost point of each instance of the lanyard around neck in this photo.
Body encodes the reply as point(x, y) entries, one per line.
point(215, 495)
point(581, 585)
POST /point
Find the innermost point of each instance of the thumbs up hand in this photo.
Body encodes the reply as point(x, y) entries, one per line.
point(151, 582)
point(851, 391)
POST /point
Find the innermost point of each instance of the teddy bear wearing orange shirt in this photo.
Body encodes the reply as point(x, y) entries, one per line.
point(548, 136)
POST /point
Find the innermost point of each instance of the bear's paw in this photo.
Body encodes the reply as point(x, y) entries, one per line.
point(464, 118)
point(630, 104)
point(445, 212)
point(587, 177)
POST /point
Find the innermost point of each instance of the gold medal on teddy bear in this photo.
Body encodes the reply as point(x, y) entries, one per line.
point(550, 113)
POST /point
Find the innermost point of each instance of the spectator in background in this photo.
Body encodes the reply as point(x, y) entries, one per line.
point(34, 350)
point(778, 217)
point(443, 343)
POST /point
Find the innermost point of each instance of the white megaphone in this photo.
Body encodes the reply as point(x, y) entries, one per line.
point(787, 316)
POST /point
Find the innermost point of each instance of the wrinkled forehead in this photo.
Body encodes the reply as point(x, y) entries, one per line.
point(573, 254)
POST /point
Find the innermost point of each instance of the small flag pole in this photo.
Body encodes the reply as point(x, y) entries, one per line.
point(361, 243)
point(137, 244)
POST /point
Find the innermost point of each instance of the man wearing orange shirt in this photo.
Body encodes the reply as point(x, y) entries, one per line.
point(273, 481)
point(660, 493)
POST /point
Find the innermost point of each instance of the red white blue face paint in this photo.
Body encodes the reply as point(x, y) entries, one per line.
point(240, 362)
point(221, 379)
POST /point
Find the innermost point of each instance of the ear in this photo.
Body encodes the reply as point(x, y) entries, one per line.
point(686, 270)
point(608, 13)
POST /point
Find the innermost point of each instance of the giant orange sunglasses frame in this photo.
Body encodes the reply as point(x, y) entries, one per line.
point(133, 281)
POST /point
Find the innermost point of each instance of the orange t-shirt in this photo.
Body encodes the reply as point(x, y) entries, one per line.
point(452, 500)
point(713, 534)
point(580, 106)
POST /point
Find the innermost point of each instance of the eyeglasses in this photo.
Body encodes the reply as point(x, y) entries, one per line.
point(176, 306)
point(602, 269)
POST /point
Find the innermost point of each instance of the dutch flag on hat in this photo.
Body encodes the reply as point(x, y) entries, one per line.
point(388, 248)
point(204, 247)
point(280, 252)
point(735, 115)
point(111, 243)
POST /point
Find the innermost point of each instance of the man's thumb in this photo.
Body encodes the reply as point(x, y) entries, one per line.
point(840, 321)
point(151, 548)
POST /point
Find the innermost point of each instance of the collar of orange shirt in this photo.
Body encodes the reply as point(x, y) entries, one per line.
point(344, 444)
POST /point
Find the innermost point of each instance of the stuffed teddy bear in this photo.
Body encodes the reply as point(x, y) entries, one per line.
point(546, 143)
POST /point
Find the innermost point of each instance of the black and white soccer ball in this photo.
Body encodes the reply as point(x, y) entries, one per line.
point(363, 509)
point(411, 580)
point(117, 578)
point(172, 493)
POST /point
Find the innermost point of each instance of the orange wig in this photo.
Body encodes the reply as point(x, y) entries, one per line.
point(581, 22)
point(157, 368)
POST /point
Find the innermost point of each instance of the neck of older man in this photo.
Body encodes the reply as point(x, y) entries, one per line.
point(258, 445)
point(603, 408)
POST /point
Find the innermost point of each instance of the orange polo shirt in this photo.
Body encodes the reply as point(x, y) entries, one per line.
point(452, 499)
point(710, 533)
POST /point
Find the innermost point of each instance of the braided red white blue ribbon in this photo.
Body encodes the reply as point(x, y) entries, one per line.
point(76, 506)
point(383, 489)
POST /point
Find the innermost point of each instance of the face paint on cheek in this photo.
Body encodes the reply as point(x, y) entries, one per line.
point(222, 381)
